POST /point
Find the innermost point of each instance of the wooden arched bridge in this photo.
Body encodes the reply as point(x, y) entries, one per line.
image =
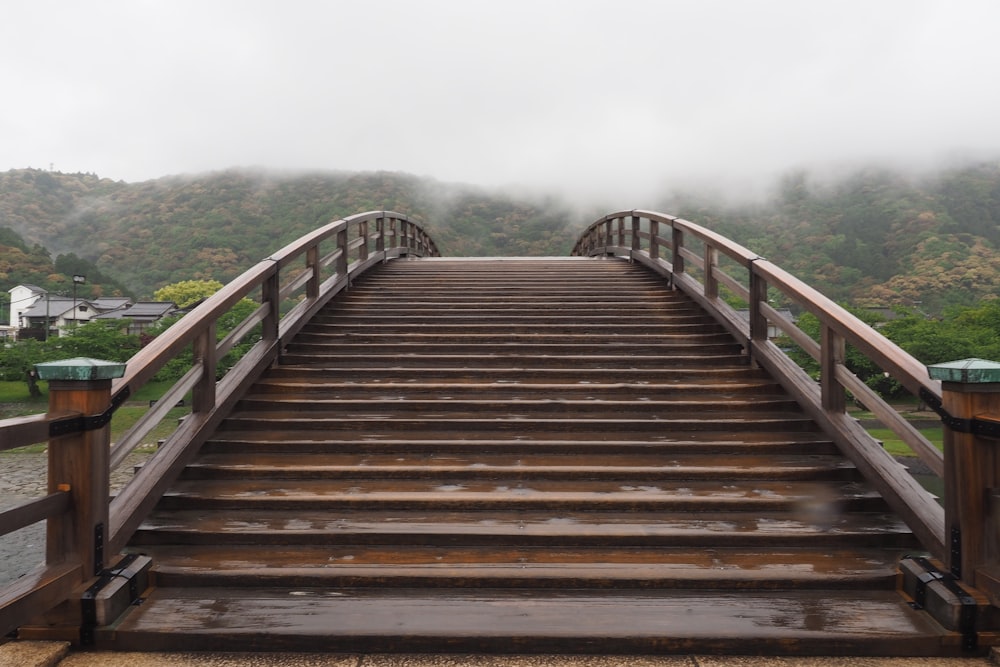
point(592, 454)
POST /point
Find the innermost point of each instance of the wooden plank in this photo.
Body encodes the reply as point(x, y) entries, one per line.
point(564, 529)
point(39, 590)
point(28, 430)
point(214, 619)
point(34, 511)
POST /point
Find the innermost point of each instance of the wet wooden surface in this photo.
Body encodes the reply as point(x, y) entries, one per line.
point(540, 456)
point(568, 622)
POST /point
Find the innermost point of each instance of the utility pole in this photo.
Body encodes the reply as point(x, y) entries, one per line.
point(77, 280)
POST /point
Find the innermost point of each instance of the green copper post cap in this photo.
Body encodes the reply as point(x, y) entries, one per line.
point(80, 368)
point(968, 371)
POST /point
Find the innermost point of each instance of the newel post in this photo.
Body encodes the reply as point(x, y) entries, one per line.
point(79, 452)
point(971, 408)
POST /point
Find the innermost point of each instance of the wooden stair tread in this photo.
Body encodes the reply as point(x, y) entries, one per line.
point(802, 562)
point(666, 426)
point(254, 442)
point(329, 390)
point(484, 620)
point(527, 463)
point(595, 567)
point(523, 528)
point(521, 487)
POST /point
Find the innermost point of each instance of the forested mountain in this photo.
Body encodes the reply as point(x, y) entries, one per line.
point(874, 238)
point(877, 238)
point(216, 225)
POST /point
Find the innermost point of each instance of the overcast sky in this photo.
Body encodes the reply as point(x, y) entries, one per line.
point(612, 101)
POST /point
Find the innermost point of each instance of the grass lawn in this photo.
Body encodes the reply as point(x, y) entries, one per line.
point(15, 401)
point(896, 447)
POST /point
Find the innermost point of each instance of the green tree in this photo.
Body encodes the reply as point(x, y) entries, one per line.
point(176, 367)
point(101, 339)
point(187, 292)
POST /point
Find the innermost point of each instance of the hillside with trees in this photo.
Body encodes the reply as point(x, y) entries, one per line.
point(214, 226)
point(871, 238)
point(878, 238)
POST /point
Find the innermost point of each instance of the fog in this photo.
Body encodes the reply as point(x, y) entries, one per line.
point(610, 104)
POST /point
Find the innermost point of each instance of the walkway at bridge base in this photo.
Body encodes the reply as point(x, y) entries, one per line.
point(58, 654)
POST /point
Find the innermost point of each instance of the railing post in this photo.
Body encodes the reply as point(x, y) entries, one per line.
point(312, 286)
point(711, 282)
point(79, 460)
point(342, 259)
point(757, 287)
point(971, 402)
point(380, 233)
point(270, 291)
point(832, 354)
point(203, 393)
point(636, 231)
point(677, 241)
point(363, 233)
point(654, 239)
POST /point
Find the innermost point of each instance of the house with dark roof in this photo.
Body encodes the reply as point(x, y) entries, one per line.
point(60, 312)
point(142, 314)
point(37, 313)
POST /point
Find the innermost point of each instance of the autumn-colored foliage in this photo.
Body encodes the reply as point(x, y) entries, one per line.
point(873, 238)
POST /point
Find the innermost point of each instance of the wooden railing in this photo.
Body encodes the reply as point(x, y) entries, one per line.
point(289, 287)
point(710, 268)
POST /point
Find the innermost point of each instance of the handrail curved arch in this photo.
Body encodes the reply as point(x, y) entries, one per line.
point(689, 256)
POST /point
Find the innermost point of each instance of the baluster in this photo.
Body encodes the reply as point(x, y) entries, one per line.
point(203, 393)
point(677, 240)
point(342, 258)
point(363, 234)
point(711, 282)
point(380, 235)
point(832, 355)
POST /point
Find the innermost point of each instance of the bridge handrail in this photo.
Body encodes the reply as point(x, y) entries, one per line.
point(359, 242)
point(210, 399)
point(639, 236)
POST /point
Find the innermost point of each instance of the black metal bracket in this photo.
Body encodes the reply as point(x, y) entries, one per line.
point(88, 601)
point(98, 549)
point(969, 610)
point(88, 423)
point(956, 551)
point(987, 428)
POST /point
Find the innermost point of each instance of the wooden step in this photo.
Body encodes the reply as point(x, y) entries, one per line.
point(514, 493)
point(290, 443)
point(500, 621)
point(601, 568)
point(291, 389)
point(293, 424)
point(458, 408)
point(238, 464)
point(563, 528)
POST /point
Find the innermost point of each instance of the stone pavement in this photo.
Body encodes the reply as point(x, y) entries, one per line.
point(22, 478)
point(57, 654)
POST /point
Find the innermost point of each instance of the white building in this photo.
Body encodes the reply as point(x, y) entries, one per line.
point(32, 308)
point(22, 298)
